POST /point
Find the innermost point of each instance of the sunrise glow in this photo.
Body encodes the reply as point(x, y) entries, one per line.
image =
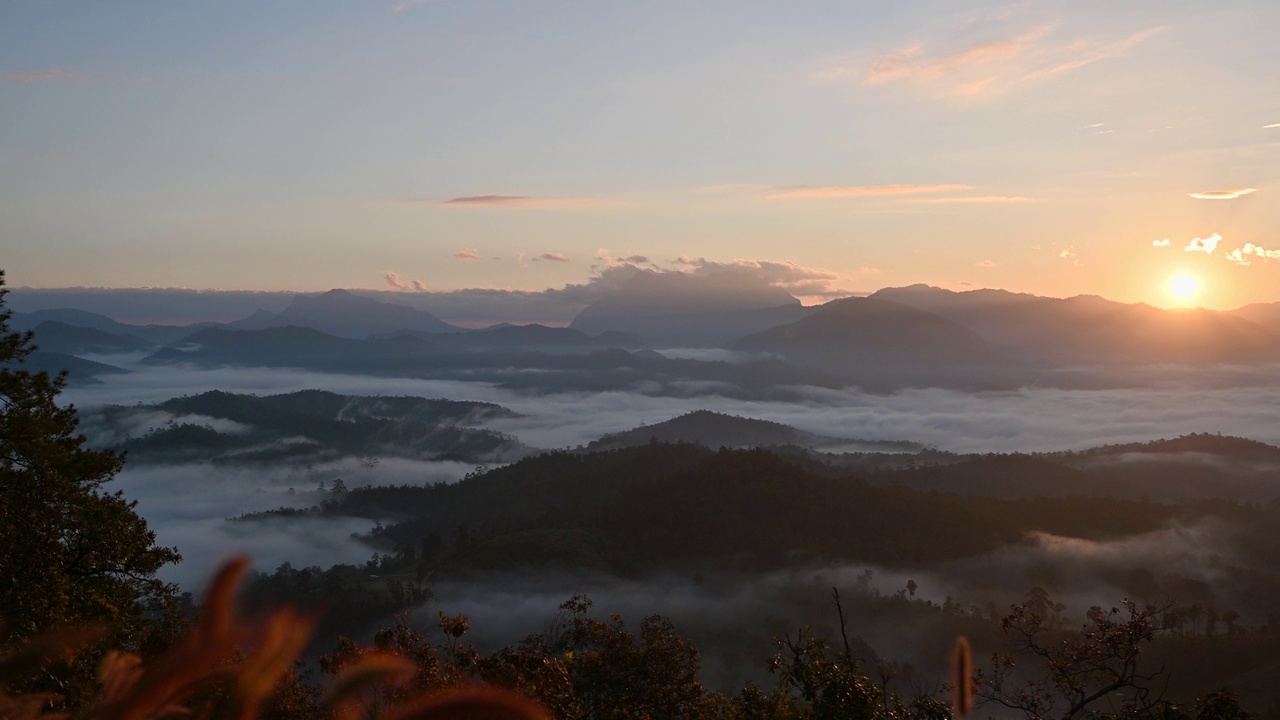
point(1184, 287)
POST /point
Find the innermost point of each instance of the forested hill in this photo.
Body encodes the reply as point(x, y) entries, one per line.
point(661, 505)
point(309, 426)
point(716, 430)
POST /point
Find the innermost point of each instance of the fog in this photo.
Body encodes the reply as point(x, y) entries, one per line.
point(188, 506)
point(732, 617)
point(1234, 402)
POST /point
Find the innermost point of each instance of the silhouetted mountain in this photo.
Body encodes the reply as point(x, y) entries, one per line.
point(1264, 314)
point(56, 336)
point(678, 309)
point(79, 371)
point(259, 320)
point(715, 430)
point(77, 318)
point(1087, 328)
point(155, 334)
point(341, 313)
point(866, 337)
point(314, 425)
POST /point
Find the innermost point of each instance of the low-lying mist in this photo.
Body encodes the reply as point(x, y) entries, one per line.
point(1027, 420)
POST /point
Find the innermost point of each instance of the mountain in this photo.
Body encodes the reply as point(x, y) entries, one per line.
point(314, 426)
point(680, 309)
point(868, 336)
point(56, 336)
point(716, 430)
point(1087, 328)
point(79, 371)
point(273, 347)
point(22, 322)
point(155, 334)
point(1264, 314)
point(343, 314)
point(259, 320)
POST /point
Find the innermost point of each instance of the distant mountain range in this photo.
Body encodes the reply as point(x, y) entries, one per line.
point(909, 336)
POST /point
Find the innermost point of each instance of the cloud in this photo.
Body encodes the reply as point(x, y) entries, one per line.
point(910, 62)
point(860, 191)
point(1227, 194)
point(986, 264)
point(990, 67)
point(975, 199)
point(553, 257)
point(408, 5)
point(36, 76)
point(521, 202)
point(1161, 243)
point(1272, 125)
point(802, 282)
point(471, 254)
point(395, 282)
point(1241, 256)
point(1204, 245)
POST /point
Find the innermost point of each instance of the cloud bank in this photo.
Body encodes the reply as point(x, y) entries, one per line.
point(1227, 194)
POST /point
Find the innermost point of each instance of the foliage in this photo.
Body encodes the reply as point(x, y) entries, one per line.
point(74, 554)
point(1098, 671)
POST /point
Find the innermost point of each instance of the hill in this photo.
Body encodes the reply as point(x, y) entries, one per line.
point(341, 313)
point(715, 430)
point(311, 425)
point(1091, 329)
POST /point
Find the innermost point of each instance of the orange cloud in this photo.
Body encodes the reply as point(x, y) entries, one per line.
point(466, 255)
point(860, 191)
point(520, 202)
point(981, 199)
point(907, 62)
point(987, 68)
point(1238, 255)
point(1228, 194)
point(1204, 245)
point(35, 76)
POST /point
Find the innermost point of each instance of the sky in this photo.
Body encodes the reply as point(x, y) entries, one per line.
point(1129, 150)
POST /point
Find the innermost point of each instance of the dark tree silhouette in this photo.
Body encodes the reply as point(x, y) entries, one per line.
point(73, 554)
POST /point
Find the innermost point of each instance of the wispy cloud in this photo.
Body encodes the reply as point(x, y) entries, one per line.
point(987, 68)
point(1205, 245)
point(395, 282)
point(407, 5)
point(859, 191)
point(36, 76)
point(522, 202)
point(1272, 125)
point(1241, 256)
point(986, 264)
point(553, 257)
point(1227, 194)
point(912, 62)
point(470, 254)
point(1161, 243)
point(975, 199)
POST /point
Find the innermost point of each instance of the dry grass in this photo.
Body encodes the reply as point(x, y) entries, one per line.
point(209, 674)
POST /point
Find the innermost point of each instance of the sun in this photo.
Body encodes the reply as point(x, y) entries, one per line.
point(1183, 286)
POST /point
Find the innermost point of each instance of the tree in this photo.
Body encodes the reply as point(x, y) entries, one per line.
point(1096, 672)
point(73, 553)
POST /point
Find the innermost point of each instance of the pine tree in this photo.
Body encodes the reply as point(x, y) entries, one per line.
point(71, 553)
